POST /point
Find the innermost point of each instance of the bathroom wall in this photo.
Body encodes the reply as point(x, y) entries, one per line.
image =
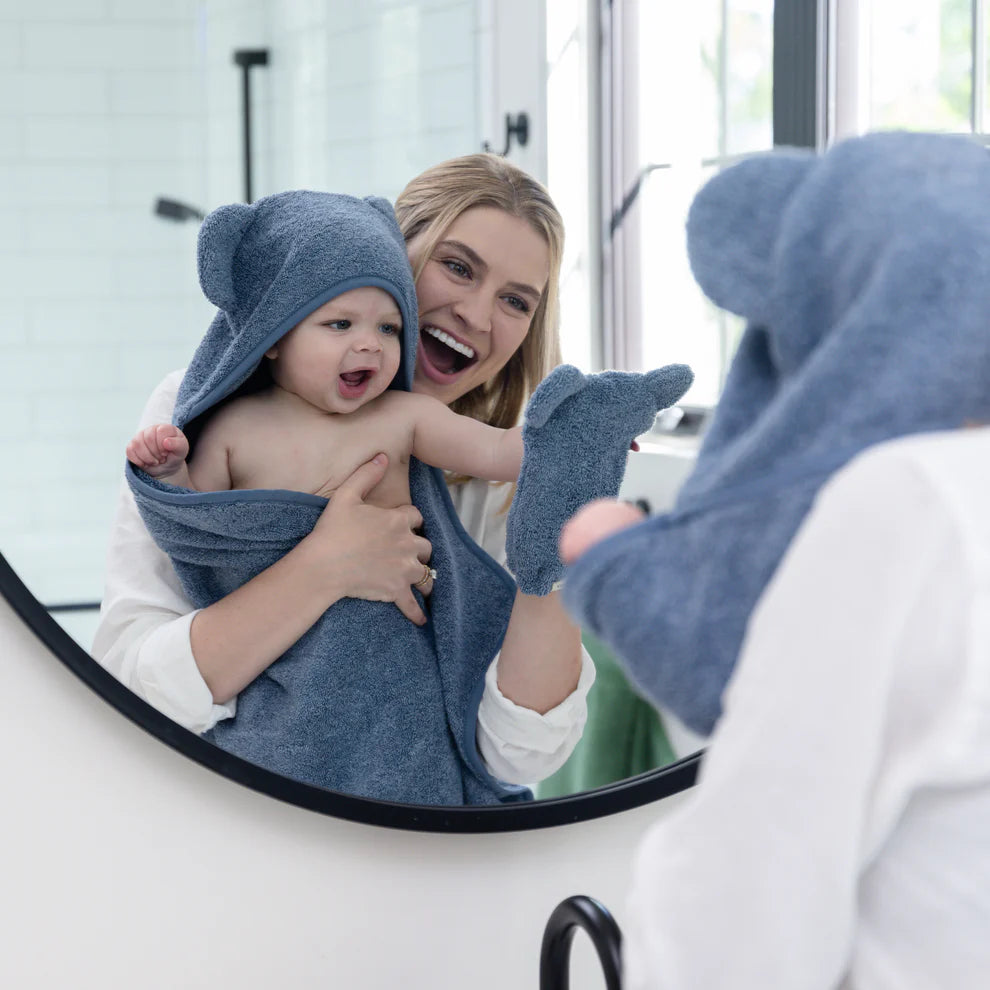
point(106, 105)
point(101, 111)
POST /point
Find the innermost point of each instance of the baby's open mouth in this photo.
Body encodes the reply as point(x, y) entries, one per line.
point(445, 353)
point(356, 377)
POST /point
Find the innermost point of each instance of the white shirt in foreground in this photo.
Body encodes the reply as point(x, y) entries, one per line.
point(840, 833)
point(143, 635)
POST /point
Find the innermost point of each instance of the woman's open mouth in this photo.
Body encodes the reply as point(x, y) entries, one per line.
point(443, 355)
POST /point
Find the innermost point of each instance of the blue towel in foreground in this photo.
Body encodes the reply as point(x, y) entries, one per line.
point(366, 702)
point(864, 277)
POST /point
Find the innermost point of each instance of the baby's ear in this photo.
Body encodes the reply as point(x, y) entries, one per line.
point(732, 229)
point(385, 208)
point(219, 237)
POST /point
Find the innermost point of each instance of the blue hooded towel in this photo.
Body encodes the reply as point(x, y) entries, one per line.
point(366, 702)
point(864, 277)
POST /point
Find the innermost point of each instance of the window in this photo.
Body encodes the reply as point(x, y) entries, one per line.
point(688, 89)
point(914, 64)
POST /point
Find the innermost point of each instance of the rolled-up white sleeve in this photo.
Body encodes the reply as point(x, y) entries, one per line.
point(143, 633)
point(521, 746)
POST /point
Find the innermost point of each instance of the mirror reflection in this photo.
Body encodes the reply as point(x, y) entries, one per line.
point(130, 122)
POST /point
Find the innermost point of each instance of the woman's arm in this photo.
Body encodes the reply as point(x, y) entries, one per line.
point(530, 721)
point(540, 660)
point(143, 633)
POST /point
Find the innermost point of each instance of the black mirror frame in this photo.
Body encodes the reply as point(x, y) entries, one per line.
point(631, 793)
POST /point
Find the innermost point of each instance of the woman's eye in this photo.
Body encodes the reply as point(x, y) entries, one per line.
point(458, 268)
point(516, 303)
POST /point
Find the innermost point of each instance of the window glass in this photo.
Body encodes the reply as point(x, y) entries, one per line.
point(705, 97)
point(920, 65)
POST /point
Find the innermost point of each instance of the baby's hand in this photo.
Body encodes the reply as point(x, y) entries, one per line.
point(592, 523)
point(159, 450)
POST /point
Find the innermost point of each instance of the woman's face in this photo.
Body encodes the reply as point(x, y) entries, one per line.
point(477, 294)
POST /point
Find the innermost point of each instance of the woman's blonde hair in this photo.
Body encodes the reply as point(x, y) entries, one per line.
point(431, 203)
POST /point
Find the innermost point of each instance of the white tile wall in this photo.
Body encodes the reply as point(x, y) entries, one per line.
point(106, 105)
point(100, 114)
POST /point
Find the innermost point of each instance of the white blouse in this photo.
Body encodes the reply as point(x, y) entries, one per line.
point(840, 833)
point(143, 635)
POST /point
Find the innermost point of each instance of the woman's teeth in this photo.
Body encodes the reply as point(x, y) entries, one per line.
point(454, 345)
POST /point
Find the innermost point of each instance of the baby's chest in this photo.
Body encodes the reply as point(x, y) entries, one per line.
point(318, 457)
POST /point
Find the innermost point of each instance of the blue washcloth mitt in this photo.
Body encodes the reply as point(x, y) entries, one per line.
point(576, 436)
point(863, 276)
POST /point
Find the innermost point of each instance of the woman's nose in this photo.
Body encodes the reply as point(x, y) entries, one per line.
point(474, 309)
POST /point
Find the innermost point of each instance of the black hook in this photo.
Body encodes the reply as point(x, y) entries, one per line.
point(576, 912)
point(515, 127)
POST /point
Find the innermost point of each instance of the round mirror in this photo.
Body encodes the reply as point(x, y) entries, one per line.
point(124, 127)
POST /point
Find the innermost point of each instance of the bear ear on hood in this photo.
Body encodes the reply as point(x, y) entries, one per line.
point(219, 236)
point(386, 209)
point(732, 229)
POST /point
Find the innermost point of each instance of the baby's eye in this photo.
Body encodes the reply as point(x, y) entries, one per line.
point(516, 303)
point(390, 329)
point(338, 324)
point(458, 267)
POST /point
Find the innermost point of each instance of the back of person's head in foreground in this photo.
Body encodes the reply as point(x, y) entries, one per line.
point(437, 198)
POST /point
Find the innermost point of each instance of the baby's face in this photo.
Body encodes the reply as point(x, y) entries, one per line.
point(343, 354)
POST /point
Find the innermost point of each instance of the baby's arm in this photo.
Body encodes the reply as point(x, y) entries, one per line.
point(592, 523)
point(209, 467)
point(161, 451)
point(462, 444)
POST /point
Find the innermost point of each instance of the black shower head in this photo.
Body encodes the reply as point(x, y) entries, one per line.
point(172, 209)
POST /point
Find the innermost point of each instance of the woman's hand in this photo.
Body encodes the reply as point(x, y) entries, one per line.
point(592, 523)
point(370, 552)
point(354, 551)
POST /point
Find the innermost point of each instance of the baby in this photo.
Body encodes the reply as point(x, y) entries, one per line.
point(327, 410)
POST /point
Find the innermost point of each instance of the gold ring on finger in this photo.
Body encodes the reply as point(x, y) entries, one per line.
point(429, 574)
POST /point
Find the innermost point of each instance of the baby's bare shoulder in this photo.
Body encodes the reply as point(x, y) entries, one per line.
point(409, 404)
point(232, 419)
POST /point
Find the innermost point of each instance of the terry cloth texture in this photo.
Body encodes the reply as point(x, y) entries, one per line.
point(366, 702)
point(576, 436)
point(863, 277)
